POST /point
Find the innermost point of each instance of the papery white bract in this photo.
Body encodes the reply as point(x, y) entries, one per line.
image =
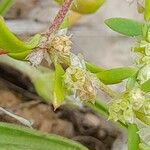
point(36, 57)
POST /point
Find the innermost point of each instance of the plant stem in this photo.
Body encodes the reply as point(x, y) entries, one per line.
point(133, 137)
point(147, 10)
point(60, 17)
point(107, 90)
point(102, 109)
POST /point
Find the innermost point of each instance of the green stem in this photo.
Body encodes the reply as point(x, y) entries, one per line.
point(5, 5)
point(99, 107)
point(107, 90)
point(133, 137)
point(102, 109)
point(147, 10)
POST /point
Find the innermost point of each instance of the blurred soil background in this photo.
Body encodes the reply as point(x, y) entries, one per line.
point(91, 38)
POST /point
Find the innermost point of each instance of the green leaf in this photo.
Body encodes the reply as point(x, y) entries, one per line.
point(116, 75)
point(41, 77)
point(34, 41)
point(146, 86)
point(11, 45)
point(84, 6)
point(13, 137)
point(125, 26)
point(59, 90)
point(5, 5)
point(147, 10)
point(100, 107)
point(43, 81)
point(133, 137)
point(20, 55)
point(93, 68)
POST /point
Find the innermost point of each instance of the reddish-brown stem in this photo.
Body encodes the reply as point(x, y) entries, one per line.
point(60, 17)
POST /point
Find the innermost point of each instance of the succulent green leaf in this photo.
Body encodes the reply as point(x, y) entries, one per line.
point(44, 83)
point(14, 47)
point(9, 42)
point(20, 55)
point(59, 90)
point(125, 26)
point(13, 137)
point(5, 5)
point(146, 86)
point(116, 75)
point(41, 77)
point(84, 6)
point(147, 10)
point(93, 68)
point(34, 41)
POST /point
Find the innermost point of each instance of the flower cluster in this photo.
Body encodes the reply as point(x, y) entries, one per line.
point(59, 48)
point(125, 106)
point(77, 80)
point(142, 49)
point(55, 49)
point(81, 83)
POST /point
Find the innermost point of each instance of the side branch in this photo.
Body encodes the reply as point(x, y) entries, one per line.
point(60, 17)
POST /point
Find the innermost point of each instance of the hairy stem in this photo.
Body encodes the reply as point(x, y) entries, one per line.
point(60, 17)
